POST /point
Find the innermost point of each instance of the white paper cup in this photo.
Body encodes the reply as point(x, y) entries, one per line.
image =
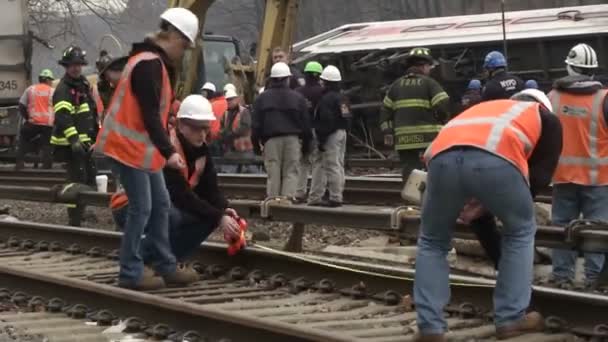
point(102, 183)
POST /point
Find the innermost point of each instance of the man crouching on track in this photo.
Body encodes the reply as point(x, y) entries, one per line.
point(486, 153)
point(198, 207)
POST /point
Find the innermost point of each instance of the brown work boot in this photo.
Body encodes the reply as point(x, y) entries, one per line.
point(531, 323)
point(183, 276)
point(148, 282)
point(430, 338)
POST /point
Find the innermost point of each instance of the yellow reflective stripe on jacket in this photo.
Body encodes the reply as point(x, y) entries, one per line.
point(84, 137)
point(68, 132)
point(439, 97)
point(64, 105)
point(83, 108)
point(412, 146)
point(59, 141)
point(388, 103)
point(412, 103)
point(418, 129)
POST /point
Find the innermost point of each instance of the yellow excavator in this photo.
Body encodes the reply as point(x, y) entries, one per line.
point(216, 58)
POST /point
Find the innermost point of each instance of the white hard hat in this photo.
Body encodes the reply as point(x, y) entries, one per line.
point(196, 107)
point(331, 74)
point(582, 56)
point(229, 86)
point(230, 93)
point(209, 86)
point(183, 20)
point(536, 94)
point(280, 70)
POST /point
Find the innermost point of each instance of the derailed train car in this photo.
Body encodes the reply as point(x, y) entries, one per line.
point(371, 54)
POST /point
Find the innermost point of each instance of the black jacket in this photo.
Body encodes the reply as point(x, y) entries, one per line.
point(313, 93)
point(280, 111)
point(205, 200)
point(75, 112)
point(543, 161)
point(333, 113)
point(580, 85)
point(502, 85)
point(146, 82)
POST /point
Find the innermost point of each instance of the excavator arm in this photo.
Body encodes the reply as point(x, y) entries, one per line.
point(277, 30)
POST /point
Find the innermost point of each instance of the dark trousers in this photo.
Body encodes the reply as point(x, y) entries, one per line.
point(81, 169)
point(410, 160)
point(186, 232)
point(35, 138)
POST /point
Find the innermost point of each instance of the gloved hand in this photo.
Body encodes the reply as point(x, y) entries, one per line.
point(78, 148)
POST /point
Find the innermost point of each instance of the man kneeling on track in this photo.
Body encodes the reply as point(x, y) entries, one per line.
point(492, 153)
point(198, 207)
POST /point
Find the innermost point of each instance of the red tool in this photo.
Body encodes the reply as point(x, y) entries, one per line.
point(235, 244)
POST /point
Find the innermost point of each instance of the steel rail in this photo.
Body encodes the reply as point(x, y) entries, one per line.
point(580, 310)
point(387, 219)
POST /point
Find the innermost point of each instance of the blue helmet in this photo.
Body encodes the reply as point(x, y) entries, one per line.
point(531, 84)
point(494, 60)
point(474, 85)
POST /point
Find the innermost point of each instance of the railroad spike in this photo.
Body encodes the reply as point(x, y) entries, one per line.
point(389, 297)
point(104, 317)
point(94, 252)
point(192, 336)
point(19, 298)
point(215, 270)
point(5, 294)
point(55, 246)
point(42, 246)
point(159, 331)
point(299, 284)
point(78, 311)
point(325, 286)
point(28, 244)
point(238, 273)
point(13, 242)
point(134, 325)
point(55, 305)
point(277, 280)
point(255, 276)
point(36, 304)
point(74, 249)
point(556, 324)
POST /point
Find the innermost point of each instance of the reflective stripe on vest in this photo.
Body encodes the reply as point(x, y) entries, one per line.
point(584, 158)
point(242, 143)
point(40, 105)
point(199, 164)
point(116, 138)
point(502, 134)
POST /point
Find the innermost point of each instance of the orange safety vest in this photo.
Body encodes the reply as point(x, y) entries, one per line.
point(40, 105)
point(123, 136)
point(219, 106)
point(506, 128)
point(243, 143)
point(98, 104)
point(584, 158)
point(199, 164)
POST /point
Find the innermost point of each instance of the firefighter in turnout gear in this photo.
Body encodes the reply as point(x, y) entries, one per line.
point(413, 111)
point(36, 107)
point(75, 128)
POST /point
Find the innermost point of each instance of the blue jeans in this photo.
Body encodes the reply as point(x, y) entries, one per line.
point(148, 212)
point(455, 176)
point(186, 232)
point(569, 202)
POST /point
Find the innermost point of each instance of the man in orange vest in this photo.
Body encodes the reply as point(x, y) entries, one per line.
point(220, 106)
point(236, 135)
point(198, 206)
point(581, 180)
point(499, 153)
point(134, 136)
point(36, 107)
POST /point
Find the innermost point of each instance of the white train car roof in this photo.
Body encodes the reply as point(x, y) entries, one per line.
point(469, 29)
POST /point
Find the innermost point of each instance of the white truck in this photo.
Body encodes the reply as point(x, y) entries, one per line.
point(15, 68)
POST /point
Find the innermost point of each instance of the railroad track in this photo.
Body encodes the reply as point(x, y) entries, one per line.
point(262, 296)
point(358, 190)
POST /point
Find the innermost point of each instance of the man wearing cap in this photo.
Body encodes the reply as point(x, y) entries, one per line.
point(109, 70)
point(198, 205)
point(413, 110)
point(75, 126)
point(220, 106)
point(236, 134)
point(472, 95)
point(312, 91)
point(499, 153)
point(36, 108)
point(500, 84)
point(281, 124)
point(134, 135)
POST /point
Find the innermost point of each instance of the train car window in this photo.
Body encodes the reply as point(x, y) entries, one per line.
point(480, 24)
point(427, 28)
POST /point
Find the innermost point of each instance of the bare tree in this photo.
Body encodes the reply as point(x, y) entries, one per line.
point(51, 19)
